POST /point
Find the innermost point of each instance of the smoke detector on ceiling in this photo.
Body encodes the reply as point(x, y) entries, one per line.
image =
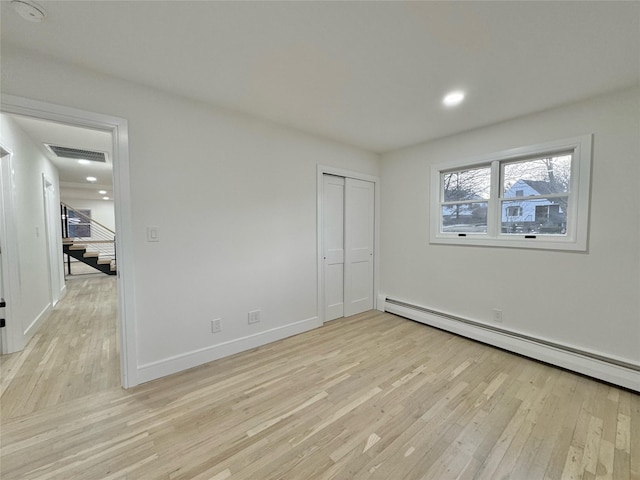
point(28, 10)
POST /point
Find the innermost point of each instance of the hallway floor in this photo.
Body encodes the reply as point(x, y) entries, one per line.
point(73, 355)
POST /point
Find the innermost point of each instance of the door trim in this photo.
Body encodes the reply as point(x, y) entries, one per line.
point(119, 129)
point(325, 169)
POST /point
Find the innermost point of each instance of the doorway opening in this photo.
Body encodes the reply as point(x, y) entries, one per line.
point(117, 129)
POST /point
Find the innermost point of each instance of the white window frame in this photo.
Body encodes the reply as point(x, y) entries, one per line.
point(575, 238)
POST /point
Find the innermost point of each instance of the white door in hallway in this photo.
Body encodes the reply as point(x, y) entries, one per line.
point(52, 217)
point(348, 238)
point(6, 192)
point(2, 314)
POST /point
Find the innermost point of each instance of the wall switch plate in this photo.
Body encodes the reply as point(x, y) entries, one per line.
point(254, 316)
point(216, 325)
point(497, 315)
point(153, 234)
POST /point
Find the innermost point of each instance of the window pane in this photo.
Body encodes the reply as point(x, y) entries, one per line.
point(464, 217)
point(540, 176)
point(472, 184)
point(79, 226)
point(539, 216)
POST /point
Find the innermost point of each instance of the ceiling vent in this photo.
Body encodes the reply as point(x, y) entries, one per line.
point(78, 154)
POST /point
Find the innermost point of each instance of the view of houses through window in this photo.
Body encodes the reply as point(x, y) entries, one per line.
point(541, 189)
point(534, 196)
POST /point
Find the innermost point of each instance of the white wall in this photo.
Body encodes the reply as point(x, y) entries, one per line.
point(31, 287)
point(589, 300)
point(235, 201)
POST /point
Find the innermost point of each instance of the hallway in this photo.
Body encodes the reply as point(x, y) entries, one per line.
point(73, 355)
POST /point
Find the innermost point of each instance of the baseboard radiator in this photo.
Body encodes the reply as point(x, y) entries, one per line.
point(603, 367)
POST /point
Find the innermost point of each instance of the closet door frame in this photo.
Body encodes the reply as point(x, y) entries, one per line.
point(325, 169)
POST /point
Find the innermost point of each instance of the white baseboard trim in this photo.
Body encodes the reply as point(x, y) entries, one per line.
point(61, 294)
point(161, 368)
point(37, 322)
point(569, 357)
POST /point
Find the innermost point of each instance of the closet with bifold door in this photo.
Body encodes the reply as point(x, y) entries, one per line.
point(348, 215)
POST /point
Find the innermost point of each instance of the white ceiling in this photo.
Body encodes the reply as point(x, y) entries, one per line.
point(371, 74)
point(73, 176)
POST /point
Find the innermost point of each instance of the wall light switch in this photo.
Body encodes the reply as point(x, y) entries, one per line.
point(216, 325)
point(153, 234)
point(254, 316)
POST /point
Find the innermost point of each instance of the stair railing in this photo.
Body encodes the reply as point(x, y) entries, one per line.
point(84, 230)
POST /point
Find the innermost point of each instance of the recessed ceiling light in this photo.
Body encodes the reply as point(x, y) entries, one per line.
point(102, 192)
point(29, 10)
point(454, 98)
point(83, 161)
point(91, 179)
point(105, 198)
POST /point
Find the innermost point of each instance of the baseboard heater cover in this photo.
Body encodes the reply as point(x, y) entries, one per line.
point(616, 371)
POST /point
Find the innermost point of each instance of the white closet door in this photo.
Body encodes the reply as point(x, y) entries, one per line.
point(333, 246)
point(358, 241)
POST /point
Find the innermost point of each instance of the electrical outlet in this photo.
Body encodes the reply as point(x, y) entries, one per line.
point(497, 315)
point(254, 316)
point(216, 325)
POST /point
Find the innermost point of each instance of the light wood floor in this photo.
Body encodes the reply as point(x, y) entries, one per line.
point(74, 355)
point(372, 396)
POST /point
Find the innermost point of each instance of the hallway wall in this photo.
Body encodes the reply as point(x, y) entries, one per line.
point(31, 287)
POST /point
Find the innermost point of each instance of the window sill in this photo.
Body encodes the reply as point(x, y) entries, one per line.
point(540, 242)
